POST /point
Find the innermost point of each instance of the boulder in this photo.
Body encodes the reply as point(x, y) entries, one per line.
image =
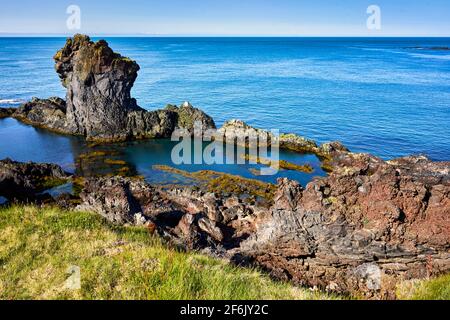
point(24, 181)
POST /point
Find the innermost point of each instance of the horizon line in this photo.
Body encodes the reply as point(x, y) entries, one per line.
point(145, 35)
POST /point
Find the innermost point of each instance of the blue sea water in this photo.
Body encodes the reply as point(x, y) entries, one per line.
point(386, 96)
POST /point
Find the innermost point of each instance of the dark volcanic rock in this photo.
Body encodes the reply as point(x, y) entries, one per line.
point(23, 181)
point(6, 112)
point(98, 83)
point(98, 103)
point(122, 200)
point(48, 113)
point(189, 218)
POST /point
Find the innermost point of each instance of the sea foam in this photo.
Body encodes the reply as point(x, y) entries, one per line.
point(10, 101)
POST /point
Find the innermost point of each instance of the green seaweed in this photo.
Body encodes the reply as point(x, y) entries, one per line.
point(223, 183)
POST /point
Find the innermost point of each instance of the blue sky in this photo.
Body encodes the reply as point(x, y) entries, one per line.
point(228, 17)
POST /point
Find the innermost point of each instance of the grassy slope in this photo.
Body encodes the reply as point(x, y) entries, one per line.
point(434, 289)
point(37, 246)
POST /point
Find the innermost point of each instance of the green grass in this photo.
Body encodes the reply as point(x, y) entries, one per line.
point(433, 289)
point(37, 246)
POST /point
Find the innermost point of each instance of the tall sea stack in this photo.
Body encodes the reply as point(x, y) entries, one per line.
point(98, 83)
point(98, 102)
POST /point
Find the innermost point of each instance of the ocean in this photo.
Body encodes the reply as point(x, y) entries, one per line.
point(386, 96)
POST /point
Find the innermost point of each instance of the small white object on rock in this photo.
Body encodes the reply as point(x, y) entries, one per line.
point(139, 219)
point(332, 286)
point(371, 273)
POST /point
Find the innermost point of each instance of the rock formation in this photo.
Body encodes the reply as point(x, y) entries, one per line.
point(24, 181)
point(98, 103)
point(6, 112)
point(46, 113)
point(362, 229)
point(239, 131)
point(359, 230)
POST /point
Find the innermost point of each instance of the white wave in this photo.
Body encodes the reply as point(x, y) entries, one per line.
point(10, 101)
point(379, 50)
point(415, 55)
point(430, 56)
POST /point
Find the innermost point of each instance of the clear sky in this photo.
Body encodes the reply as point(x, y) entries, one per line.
point(228, 17)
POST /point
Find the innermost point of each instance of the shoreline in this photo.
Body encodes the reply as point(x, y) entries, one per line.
point(362, 229)
point(248, 232)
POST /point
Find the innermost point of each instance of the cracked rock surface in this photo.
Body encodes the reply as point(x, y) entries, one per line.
point(361, 230)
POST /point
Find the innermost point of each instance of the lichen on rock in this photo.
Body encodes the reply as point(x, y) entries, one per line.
point(6, 112)
point(46, 113)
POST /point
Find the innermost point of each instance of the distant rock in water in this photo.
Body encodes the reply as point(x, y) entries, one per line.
point(98, 102)
point(440, 48)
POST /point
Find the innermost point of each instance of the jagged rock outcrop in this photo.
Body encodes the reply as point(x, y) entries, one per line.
point(47, 113)
point(361, 230)
point(24, 181)
point(98, 83)
point(6, 112)
point(240, 131)
point(98, 102)
point(132, 201)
